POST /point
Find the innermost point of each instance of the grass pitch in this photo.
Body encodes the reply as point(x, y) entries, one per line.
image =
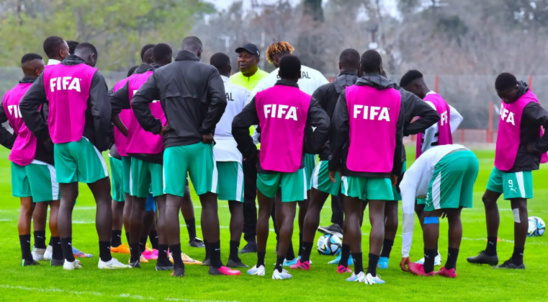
point(321, 283)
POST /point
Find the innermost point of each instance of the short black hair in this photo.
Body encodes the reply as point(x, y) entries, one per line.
point(29, 57)
point(52, 45)
point(161, 51)
point(89, 47)
point(505, 80)
point(144, 49)
point(72, 46)
point(192, 43)
point(290, 67)
point(409, 77)
point(371, 61)
point(221, 61)
point(350, 58)
point(132, 70)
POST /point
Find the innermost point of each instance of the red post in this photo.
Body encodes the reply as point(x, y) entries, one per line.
point(437, 84)
point(530, 82)
point(489, 137)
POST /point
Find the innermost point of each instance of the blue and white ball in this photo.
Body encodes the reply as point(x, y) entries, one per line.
point(329, 244)
point(537, 227)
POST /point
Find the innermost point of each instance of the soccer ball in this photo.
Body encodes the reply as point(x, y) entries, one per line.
point(329, 244)
point(536, 226)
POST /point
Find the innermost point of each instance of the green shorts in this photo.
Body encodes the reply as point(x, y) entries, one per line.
point(309, 165)
point(126, 168)
point(197, 161)
point(145, 177)
point(367, 188)
point(452, 184)
point(512, 184)
point(293, 185)
point(230, 181)
point(397, 194)
point(36, 180)
point(321, 182)
point(79, 162)
point(116, 179)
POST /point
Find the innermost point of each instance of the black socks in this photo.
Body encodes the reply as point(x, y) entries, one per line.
point(358, 262)
point(215, 254)
point(387, 248)
point(305, 251)
point(191, 227)
point(345, 254)
point(452, 256)
point(154, 239)
point(116, 238)
point(24, 241)
point(429, 257)
point(491, 249)
point(234, 247)
point(176, 254)
point(260, 258)
point(40, 239)
point(372, 267)
point(57, 249)
point(104, 251)
point(517, 256)
point(66, 245)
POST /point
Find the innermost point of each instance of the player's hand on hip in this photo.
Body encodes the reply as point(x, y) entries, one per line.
point(394, 179)
point(207, 138)
point(164, 130)
point(404, 264)
point(531, 149)
point(332, 175)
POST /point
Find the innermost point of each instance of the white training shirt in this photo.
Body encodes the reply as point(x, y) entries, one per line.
point(225, 148)
point(310, 80)
point(415, 183)
point(455, 118)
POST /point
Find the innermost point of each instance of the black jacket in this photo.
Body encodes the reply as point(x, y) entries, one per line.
point(97, 114)
point(327, 96)
point(532, 118)
point(192, 95)
point(339, 127)
point(316, 129)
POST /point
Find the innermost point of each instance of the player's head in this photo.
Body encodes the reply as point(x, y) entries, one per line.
point(146, 54)
point(87, 52)
point(221, 62)
point(72, 46)
point(162, 54)
point(56, 48)
point(194, 45)
point(349, 60)
point(507, 87)
point(248, 58)
point(371, 62)
point(413, 81)
point(275, 52)
point(290, 68)
point(132, 70)
point(32, 65)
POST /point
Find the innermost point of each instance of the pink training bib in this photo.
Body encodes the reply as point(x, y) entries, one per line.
point(373, 117)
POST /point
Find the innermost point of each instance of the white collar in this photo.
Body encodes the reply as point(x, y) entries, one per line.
point(431, 92)
point(53, 62)
point(225, 78)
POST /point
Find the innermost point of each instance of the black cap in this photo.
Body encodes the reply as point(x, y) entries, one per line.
point(251, 48)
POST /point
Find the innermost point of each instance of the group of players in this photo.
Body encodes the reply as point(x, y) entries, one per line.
point(254, 136)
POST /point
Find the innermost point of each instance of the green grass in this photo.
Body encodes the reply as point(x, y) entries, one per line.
point(322, 283)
